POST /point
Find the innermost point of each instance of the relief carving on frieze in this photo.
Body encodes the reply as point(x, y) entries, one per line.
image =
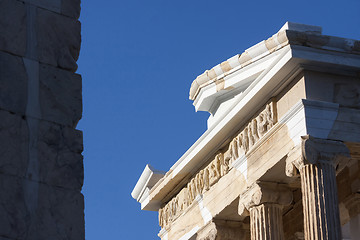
point(241, 144)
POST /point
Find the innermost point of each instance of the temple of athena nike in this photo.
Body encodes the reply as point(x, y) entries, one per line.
point(280, 157)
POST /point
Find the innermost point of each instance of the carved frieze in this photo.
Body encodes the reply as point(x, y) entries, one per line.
point(241, 144)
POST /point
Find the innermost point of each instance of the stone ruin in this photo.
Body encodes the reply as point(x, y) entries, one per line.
point(281, 156)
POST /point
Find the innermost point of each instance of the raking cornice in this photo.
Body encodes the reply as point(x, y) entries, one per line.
point(290, 33)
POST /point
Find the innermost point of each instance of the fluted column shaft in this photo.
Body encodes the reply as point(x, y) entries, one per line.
point(320, 201)
point(318, 163)
point(266, 222)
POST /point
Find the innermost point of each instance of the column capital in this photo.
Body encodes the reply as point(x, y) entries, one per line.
point(264, 193)
point(317, 151)
point(317, 164)
point(223, 230)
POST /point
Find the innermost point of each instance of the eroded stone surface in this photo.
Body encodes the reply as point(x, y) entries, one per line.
point(3, 238)
point(13, 214)
point(60, 95)
point(53, 5)
point(61, 162)
point(58, 213)
point(14, 144)
point(41, 166)
point(13, 29)
point(71, 8)
point(13, 83)
point(58, 39)
point(59, 152)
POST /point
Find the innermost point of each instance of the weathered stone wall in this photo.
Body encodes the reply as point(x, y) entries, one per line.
point(41, 166)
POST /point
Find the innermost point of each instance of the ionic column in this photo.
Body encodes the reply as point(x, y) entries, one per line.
point(317, 166)
point(264, 202)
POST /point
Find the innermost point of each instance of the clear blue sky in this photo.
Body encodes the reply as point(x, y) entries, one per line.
point(138, 60)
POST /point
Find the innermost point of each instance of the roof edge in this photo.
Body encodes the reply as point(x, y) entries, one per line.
point(290, 33)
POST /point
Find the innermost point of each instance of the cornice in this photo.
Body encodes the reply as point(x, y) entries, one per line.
point(147, 180)
point(289, 34)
